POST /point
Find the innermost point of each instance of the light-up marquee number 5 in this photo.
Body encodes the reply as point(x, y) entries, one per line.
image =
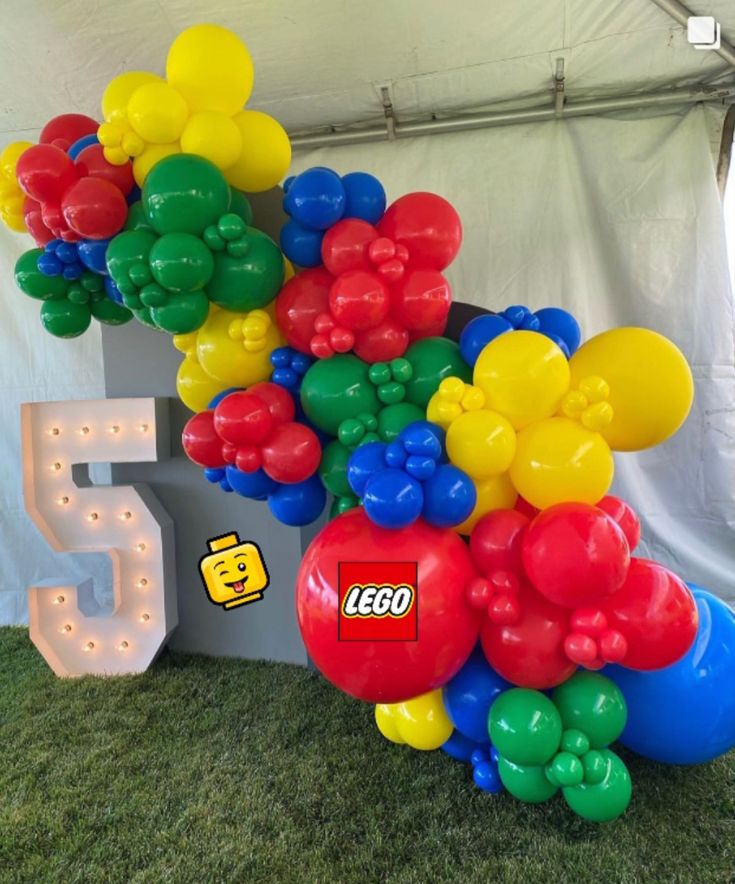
point(76, 636)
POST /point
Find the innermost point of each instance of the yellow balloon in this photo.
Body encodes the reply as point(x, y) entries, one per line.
point(266, 153)
point(195, 387)
point(213, 136)
point(497, 493)
point(143, 164)
point(235, 347)
point(386, 721)
point(11, 196)
point(157, 112)
point(559, 460)
point(523, 375)
point(211, 67)
point(423, 722)
point(12, 220)
point(9, 158)
point(288, 270)
point(651, 386)
point(482, 443)
point(116, 96)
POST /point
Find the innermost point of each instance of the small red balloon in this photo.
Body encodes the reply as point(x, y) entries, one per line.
point(65, 129)
point(33, 217)
point(303, 298)
point(388, 671)
point(625, 516)
point(420, 301)
point(345, 246)
point(575, 555)
point(381, 344)
point(495, 542)
point(427, 225)
point(291, 453)
point(243, 419)
point(359, 300)
point(94, 208)
point(91, 162)
point(201, 443)
point(45, 173)
point(277, 399)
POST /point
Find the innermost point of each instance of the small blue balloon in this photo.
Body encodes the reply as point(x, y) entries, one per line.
point(478, 333)
point(215, 400)
point(78, 146)
point(555, 322)
point(49, 264)
point(486, 777)
point(67, 252)
point(214, 474)
point(449, 497)
point(255, 485)
point(112, 291)
point(392, 499)
point(316, 198)
point(423, 438)
point(364, 462)
point(73, 270)
point(470, 694)
point(298, 504)
point(302, 246)
point(685, 713)
point(420, 466)
point(92, 253)
point(460, 747)
point(365, 197)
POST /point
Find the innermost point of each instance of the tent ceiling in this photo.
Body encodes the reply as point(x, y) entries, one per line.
point(321, 62)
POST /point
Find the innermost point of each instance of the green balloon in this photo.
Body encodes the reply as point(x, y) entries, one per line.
point(565, 769)
point(184, 193)
point(393, 418)
point(593, 704)
point(35, 284)
point(603, 801)
point(336, 389)
point(433, 359)
point(181, 262)
point(333, 469)
point(144, 316)
point(240, 205)
point(137, 219)
point(106, 310)
point(342, 505)
point(129, 251)
point(524, 726)
point(526, 783)
point(250, 280)
point(64, 319)
point(182, 313)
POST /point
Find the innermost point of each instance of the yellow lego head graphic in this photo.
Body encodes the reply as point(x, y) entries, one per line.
point(233, 573)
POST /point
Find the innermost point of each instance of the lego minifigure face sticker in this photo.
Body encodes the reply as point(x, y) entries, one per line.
point(233, 573)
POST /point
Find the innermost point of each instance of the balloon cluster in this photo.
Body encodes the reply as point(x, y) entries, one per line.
point(197, 109)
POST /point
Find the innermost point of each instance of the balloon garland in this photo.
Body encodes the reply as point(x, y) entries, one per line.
point(483, 466)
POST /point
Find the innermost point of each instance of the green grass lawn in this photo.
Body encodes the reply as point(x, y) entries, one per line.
point(223, 770)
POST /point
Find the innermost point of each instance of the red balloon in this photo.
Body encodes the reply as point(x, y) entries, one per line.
point(427, 225)
point(388, 671)
point(523, 506)
point(33, 217)
point(94, 208)
point(656, 613)
point(91, 161)
point(243, 419)
point(359, 300)
point(495, 542)
point(345, 246)
point(291, 453)
point(382, 343)
point(300, 301)
point(201, 442)
point(421, 300)
point(530, 652)
point(278, 400)
point(575, 555)
point(434, 331)
point(625, 516)
point(65, 129)
point(45, 173)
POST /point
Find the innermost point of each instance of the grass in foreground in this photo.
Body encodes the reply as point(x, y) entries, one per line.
point(223, 770)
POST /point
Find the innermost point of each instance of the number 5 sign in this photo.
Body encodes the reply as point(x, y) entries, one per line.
point(66, 624)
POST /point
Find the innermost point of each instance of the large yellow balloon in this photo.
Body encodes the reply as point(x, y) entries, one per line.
point(143, 164)
point(423, 722)
point(266, 153)
point(497, 493)
point(482, 443)
point(211, 67)
point(213, 136)
point(651, 386)
point(523, 375)
point(235, 347)
point(157, 112)
point(11, 196)
point(119, 90)
point(195, 387)
point(559, 460)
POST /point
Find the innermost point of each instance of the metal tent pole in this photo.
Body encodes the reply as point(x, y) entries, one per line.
point(681, 13)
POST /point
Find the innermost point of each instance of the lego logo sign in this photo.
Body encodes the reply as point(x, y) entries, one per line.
point(378, 601)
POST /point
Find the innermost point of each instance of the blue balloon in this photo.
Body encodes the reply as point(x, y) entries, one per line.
point(553, 321)
point(392, 498)
point(486, 777)
point(479, 332)
point(460, 747)
point(134, 195)
point(685, 713)
point(316, 198)
point(423, 438)
point(302, 246)
point(521, 317)
point(470, 694)
point(255, 485)
point(449, 497)
point(300, 503)
point(215, 400)
point(365, 197)
point(78, 146)
point(364, 462)
point(49, 264)
point(112, 291)
point(92, 253)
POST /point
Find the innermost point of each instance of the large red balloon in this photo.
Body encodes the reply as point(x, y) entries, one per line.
point(45, 173)
point(625, 516)
point(420, 301)
point(201, 443)
point(243, 419)
point(291, 453)
point(91, 161)
point(303, 298)
point(64, 130)
point(656, 613)
point(427, 225)
point(345, 246)
point(278, 400)
point(530, 652)
point(388, 671)
point(359, 300)
point(575, 554)
point(382, 343)
point(94, 208)
point(495, 542)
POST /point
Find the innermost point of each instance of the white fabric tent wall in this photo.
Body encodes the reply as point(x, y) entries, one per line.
point(617, 220)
